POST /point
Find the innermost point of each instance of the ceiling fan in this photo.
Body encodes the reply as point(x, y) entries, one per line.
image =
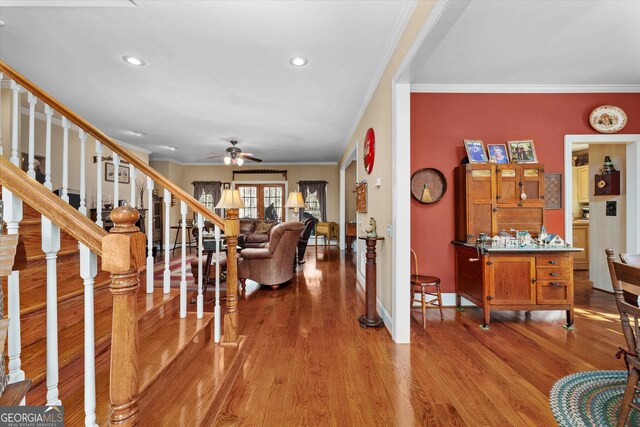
point(234, 155)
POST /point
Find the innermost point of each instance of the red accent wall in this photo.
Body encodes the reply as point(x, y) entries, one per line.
point(439, 123)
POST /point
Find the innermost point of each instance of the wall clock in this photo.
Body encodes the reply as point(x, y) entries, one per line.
point(369, 150)
point(428, 185)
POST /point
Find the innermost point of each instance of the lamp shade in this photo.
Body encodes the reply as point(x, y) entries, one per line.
point(230, 200)
point(295, 200)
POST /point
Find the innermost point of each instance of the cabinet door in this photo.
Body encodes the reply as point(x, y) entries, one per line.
point(510, 280)
point(532, 184)
point(480, 193)
point(583, 184)
point(581, 240)
point(507, 188)
point(519, 218)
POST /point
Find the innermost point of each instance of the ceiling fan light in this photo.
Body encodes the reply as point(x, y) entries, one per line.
point(227, 160)
point(240, 161)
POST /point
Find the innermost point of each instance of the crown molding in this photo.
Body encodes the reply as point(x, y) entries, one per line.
point(56, 121)
point(68, 3)
point(392, 43)
point(177, 162)
point(499, 88)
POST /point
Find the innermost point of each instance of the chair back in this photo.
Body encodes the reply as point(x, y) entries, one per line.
point(415, 262)
point(626, 298)
point(631, 259)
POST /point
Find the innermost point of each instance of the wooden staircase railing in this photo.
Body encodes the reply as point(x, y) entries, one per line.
point(122, 250)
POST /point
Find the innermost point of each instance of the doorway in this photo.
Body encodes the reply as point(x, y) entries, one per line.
point(262, 201)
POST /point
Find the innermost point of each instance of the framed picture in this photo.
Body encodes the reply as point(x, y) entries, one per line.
point(522, 151)
point(109, 173)
point(361, 197)
point(498, 153)
point(553, 191)
point(226, 185)
point(38, 166)
point(475, 151)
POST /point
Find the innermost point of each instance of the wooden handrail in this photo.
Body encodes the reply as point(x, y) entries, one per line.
point(53, 207)
point(112, 145)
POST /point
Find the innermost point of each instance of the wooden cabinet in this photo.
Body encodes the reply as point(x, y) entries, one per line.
point(490, 198)
point(581, 240)
point(515, 279)
point(583, 183)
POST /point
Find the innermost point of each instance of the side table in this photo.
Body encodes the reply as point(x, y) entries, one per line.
point(371, 319)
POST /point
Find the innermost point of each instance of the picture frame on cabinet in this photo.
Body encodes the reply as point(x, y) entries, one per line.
point(498, 153)
point(522, 151)
point(475, 151)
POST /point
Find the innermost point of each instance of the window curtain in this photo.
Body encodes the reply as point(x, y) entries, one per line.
point(212, 191)
point(318, 187)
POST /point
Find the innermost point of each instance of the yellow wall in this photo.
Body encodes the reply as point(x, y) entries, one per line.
point(349, 192)
point(378, 115)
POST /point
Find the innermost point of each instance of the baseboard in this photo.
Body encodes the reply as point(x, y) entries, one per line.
point(449, 300)
point(386, 317)
point(360, 279)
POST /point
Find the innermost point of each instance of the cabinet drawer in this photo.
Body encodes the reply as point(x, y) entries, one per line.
point(552, 292)
point(552, 261)
point(553, 273)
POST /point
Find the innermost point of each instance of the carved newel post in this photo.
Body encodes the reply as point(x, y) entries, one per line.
point(123, 255)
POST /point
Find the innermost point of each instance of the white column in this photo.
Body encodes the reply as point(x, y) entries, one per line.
point(51, 246)
point(65, 160)
point(99, 183)
point(83, 178)
point(200, 299)
point(167, 241)
point(13, 216)
point(183, 264)
point(116, 180)
point(216, 310)
point(48, 112)
point(88, 271)
point(32, 138)
point(150, 236)
point(132, 185)
point(15, 106)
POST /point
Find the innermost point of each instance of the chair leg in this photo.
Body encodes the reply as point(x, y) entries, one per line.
point(439, 301)
point(629, 394)
point(424, 310)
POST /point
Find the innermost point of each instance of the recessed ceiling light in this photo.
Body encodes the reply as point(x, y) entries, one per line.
point(171, 148)
point(137, 133)
point(298, 61)
point(133, 60)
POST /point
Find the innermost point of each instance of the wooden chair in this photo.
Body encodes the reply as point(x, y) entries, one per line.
point(631, 259)
point(426, 286)
point(629, 277)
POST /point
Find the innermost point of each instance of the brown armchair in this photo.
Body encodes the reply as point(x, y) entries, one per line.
point(271, 265)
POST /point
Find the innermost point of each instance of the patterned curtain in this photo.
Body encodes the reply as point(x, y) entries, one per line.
point(319, 190)
point(208, 193)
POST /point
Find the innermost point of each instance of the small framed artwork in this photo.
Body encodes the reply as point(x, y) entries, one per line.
point(522, 151)
point(361, 197)
point(226, 185)
point(553, 191)
point(498, 153)
point(110, 170)
point(475, 151)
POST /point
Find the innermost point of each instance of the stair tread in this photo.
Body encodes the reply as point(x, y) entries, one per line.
point(156, 351)
point(71, 339)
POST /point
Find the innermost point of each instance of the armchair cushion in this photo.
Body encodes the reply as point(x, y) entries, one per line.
point(256, 253)
point(263, 227)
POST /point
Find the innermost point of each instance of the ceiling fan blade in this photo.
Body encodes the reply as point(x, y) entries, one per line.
point(216, 156)
point(248, 157)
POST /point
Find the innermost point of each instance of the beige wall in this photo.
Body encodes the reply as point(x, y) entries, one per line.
point(606, 231)
point(378, 115)
point(350, 191)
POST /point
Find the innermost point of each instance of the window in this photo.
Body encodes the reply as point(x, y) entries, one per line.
point(312, 205)
point(208, 193)
point(263, 201)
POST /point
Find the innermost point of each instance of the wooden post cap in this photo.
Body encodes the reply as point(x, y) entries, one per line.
point(124, 219)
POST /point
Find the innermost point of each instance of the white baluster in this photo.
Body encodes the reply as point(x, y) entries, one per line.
point(88, 271)
point(132, 185)
point(216, 310)
point(167, 241)
point(99, 183)
point(13, 216)
point(116, 180)
point(65, 160)
point(83, 179)
point(48, 112)
point(32, 136)
point(183, 265)
point(149, 236)
point(51, 246)
point(200, 299)
point(15, 105)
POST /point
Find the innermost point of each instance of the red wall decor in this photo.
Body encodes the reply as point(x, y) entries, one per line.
point(440, 122)
point(369, 150)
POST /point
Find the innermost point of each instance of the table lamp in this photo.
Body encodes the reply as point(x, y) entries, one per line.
point(295, 201)
point(230, 200)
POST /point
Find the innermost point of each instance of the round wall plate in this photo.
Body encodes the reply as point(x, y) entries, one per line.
point(369, 150)
point(428, 185)
point(608, 119)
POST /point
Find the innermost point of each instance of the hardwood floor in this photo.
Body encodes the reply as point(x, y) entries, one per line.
point(309, 362)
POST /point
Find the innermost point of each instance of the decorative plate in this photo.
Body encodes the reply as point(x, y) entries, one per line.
point(428, 185)
point(608, 119)
point(369, 150)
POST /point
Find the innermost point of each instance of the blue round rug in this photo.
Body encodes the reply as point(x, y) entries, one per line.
point(590, 399)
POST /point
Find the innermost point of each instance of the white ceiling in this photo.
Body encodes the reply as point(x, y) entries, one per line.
point(216, 70)
point(539, 43)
